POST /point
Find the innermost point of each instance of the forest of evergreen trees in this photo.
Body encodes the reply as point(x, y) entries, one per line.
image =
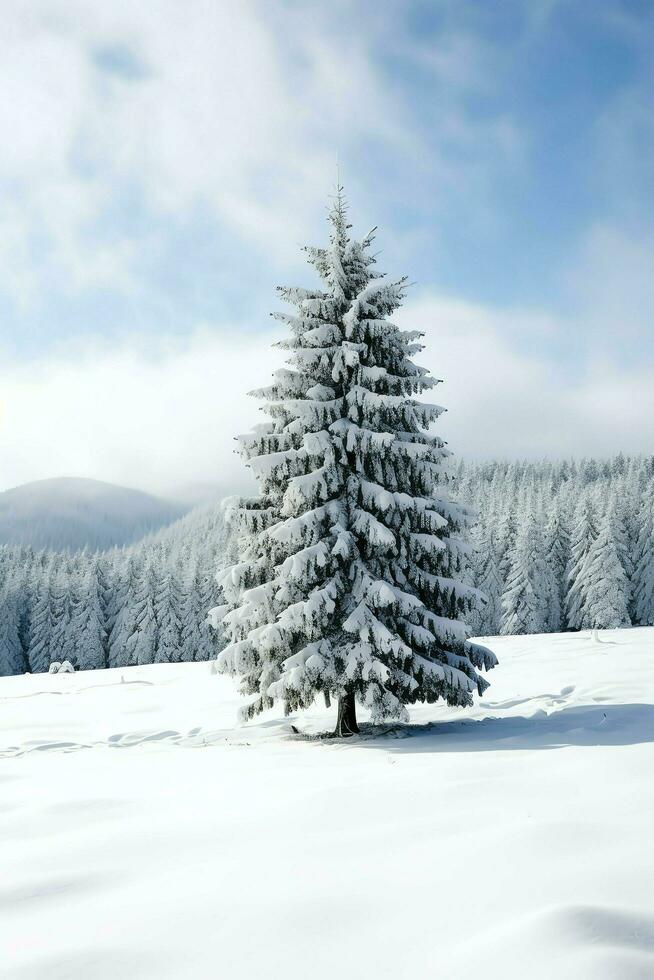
point(137, 605)
point(557, 546)
point(561, 546)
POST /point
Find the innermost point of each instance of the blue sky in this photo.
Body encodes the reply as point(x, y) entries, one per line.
point(163, 162)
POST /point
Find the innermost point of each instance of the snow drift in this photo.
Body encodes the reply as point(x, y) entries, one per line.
point(143, 834)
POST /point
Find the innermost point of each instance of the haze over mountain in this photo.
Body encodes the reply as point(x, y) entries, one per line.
point(73, 513)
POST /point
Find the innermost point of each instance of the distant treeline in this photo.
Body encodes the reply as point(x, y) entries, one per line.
point(138, 605)
point(561, 546)
point(556, 546)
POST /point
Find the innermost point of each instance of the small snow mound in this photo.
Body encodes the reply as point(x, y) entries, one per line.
point(584, 942)
point(61, 668)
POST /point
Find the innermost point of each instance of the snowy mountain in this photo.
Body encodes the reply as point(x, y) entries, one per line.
point(72, 513)
point(144, 834)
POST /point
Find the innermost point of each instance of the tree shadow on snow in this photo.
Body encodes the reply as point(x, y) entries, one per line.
point(582, 725)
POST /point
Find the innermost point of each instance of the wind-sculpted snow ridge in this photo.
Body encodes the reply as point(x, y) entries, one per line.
point(144, 834)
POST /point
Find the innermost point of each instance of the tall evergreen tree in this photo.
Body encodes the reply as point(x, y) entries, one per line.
point(168, 611)
point(601, 591)
point(87, 620)
point(643, 583)
point(198, 640)
point(349, 582)
point(105, 571)
point(506, 537)
point(528, 589)
point(122, 610)
point(617, 505)
point(12, 656)
point(42, 624)
point(486, 616)
point(141, 644)
point(584, 535)
point(62, 640)
point(557, 556)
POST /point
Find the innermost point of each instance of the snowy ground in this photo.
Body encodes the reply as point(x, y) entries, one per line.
point(142, 835)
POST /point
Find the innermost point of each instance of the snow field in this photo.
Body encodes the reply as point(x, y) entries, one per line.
point(144, 834)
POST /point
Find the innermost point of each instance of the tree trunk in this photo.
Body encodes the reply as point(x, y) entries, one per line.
point(346, 723)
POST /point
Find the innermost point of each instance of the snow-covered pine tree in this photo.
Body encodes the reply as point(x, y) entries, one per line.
point(62, 640)
point(506, 537)
point(87, 620)
point(198, 640)
point(528, 587)
point(26, 584)
point(12, 656)
point(557, 556)
point(105, 566)
point(123, 610)
point(584, 534)
point(168, 611)
point(349, 582)
point(42, 622)
point(485, 618)
point(601, 591)
point(141, 643)
point(643, 582)
point(620, 501)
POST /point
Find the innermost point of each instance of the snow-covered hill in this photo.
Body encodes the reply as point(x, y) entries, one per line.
point(142, 834)
point(71, 513)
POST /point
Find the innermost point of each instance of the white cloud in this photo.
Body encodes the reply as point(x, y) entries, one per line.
point(504, 400)
point(238, 109)
point(159, 417)
point(162, 417)
point(613, 287)
point(232, 107)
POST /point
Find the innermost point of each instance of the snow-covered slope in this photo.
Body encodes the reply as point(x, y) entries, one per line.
point(143, 835)
point(72, 513)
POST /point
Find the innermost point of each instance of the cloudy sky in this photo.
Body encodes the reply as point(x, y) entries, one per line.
point(163, 161)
